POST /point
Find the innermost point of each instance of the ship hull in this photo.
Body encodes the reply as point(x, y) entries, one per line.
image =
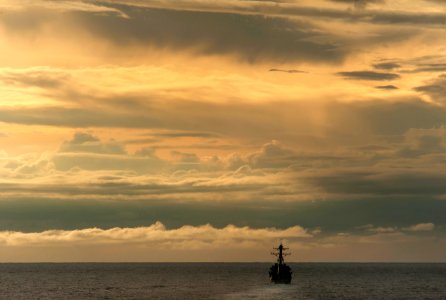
point(281, 280)
point(280, 274)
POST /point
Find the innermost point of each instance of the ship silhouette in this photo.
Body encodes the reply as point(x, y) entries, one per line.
point(280, 272)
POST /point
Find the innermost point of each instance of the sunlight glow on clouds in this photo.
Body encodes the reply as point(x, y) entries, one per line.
point(243, 115)
point(194, 240)
point(156, 233)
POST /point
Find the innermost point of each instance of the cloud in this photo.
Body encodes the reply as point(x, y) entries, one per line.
point(172, 115)
point(35, 77)
point(249, 31)
point(230, 243)
point(272, 155)
point(87, 143)
point(185, 157)
point(368, 75)
point(397, 14)
point(183, 134)
point(25, 166)
point(176, 118)
point(273, 186)
point(156, 235)
point(387, 87)
point(60, 6)
point(429, 68)
point(436, 90)
point(387, 66)
point(291, 71)
point(372, 181)
point(92, 161)
point(87, 152)
point(317, 124)
point(383, 229)
point(390, 118)
point(424, 142)
point(421, 227)
point(210, 33)
point(360, 3)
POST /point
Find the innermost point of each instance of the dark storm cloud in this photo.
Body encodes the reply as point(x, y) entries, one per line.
point(261, 36)
point(382, 182)
point(376, 16)
point(38, 214)
point(248, 36)
point(116, 186)
point(368, 75)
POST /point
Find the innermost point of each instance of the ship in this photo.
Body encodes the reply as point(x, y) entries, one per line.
point(280, 272)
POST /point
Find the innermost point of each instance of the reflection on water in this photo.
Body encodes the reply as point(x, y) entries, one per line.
point(221, 281)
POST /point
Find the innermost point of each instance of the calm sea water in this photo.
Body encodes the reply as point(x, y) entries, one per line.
point(221, 281)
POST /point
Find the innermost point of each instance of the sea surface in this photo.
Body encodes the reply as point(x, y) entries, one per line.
point(221, 281)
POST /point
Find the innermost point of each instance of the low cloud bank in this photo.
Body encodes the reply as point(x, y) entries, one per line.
point(420, 242)
point(156, 233)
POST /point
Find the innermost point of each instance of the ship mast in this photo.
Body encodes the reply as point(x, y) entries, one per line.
point(280, 254)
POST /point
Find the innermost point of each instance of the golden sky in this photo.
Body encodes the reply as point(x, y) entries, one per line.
point(146, 130)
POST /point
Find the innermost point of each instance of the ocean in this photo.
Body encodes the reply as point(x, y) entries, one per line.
point(221, 281)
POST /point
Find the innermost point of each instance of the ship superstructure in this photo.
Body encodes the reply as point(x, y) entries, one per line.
point(280, 272)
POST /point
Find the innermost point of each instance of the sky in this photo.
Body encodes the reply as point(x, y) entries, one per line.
point(212, 130)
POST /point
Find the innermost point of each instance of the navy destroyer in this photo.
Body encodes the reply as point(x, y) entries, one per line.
point(280, 272)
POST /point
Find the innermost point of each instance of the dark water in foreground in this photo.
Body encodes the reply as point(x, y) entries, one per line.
point(221, 281)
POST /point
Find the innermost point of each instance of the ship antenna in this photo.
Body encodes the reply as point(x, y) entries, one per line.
point(280, 253)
